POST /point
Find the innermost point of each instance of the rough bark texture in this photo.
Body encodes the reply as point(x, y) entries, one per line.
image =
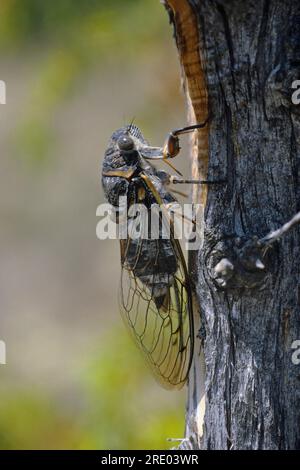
point(249, 54)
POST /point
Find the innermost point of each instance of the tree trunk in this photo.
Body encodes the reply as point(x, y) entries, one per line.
point(239, 60)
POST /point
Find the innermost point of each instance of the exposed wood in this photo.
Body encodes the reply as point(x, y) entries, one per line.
point(194, 83)
point(188, 42)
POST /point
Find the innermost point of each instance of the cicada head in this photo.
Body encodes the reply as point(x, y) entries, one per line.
point(121, 161)
point(122, 150)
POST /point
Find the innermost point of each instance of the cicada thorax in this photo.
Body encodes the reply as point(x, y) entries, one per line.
point(121, 163)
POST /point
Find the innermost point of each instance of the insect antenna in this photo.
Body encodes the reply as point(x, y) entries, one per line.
point(131, 124)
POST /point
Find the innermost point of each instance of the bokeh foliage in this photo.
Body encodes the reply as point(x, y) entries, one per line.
point(118, 409)
point(119, 405)
point(75, 36)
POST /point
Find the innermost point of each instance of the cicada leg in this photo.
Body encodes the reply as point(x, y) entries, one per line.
point(171, 147)
point(168, 179)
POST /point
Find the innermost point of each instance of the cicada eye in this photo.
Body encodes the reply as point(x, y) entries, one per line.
point(125, 143)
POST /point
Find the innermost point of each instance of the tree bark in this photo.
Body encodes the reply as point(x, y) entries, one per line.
point(239, 60)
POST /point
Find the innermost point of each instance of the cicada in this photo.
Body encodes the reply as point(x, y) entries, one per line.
point(155, 295)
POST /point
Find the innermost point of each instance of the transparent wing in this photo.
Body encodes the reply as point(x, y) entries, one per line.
point(155, 303)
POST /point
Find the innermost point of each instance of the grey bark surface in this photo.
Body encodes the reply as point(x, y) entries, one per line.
point(251, 315)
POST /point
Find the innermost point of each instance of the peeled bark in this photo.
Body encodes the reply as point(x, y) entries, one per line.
point(239, 60)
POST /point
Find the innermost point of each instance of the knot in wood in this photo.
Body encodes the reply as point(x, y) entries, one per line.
point(236, 263)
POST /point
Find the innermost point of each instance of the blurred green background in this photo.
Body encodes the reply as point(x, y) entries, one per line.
point(75, 71)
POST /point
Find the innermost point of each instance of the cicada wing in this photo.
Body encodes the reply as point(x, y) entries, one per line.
point(162, 326)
